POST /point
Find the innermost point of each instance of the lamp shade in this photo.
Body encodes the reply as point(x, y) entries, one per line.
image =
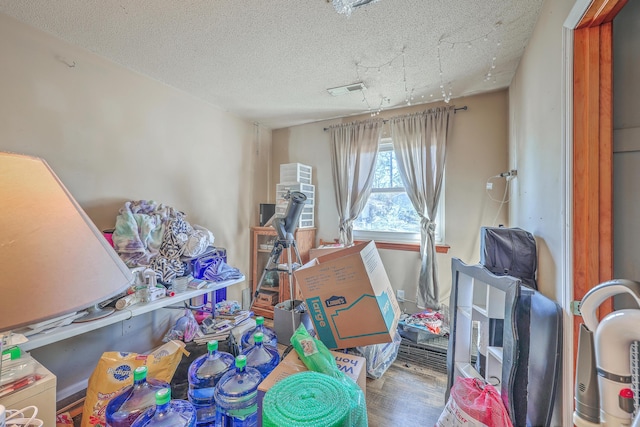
point(53, 259)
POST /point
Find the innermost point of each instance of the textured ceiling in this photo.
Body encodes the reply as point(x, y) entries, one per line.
point(272, 61)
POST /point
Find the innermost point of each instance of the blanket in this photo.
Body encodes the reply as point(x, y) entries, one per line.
point(150, 234)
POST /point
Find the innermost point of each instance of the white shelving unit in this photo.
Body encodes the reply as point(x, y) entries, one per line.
point(520, 337)
point(48, 337)
point(481, 298)
point(482, 303)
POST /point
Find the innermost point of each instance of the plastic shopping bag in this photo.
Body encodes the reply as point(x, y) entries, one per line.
point(474, 403)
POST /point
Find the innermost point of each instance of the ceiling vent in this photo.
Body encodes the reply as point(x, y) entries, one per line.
point(341, 90)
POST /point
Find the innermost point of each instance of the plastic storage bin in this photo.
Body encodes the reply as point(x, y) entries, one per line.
point(307, 189)
point(295, 172)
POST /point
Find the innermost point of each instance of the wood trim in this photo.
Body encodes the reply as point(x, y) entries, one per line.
point(605, 156)
point(411, 247)
point(593, 152)
point(601, 12)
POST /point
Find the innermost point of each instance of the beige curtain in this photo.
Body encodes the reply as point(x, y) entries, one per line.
point(420, 142)
point(354, 150)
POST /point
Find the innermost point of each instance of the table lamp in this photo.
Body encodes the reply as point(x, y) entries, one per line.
point(53, 259)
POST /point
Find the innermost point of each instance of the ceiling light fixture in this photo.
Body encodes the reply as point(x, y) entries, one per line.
point(343, 90)
point(347, 6)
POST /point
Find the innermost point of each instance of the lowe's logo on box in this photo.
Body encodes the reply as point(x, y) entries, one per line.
point(335, 301)
point(320, 321)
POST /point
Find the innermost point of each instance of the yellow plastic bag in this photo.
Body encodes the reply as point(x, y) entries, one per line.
point(114, 372)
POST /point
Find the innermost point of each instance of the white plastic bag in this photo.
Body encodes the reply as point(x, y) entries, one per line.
point(380, 356)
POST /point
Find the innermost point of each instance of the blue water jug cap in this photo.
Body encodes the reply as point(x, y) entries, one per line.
point(258, 337)
point(212, 345)
point(259, 320)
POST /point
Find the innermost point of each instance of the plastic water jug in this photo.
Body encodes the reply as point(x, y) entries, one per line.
point(262, 357)
point(167, 413)
point(204, 374)
point(270, 337)
point(236, 396)
point(123, 409)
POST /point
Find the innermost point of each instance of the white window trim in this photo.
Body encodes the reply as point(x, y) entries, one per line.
point(404, 237)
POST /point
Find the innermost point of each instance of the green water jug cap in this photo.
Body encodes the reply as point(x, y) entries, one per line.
point(140, 373)
point(163, 396)
point(259, 320)
point(241, 361)
point(212, 345)
point(258, 337)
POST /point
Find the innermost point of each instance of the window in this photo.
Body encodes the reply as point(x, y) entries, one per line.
point(389, 215)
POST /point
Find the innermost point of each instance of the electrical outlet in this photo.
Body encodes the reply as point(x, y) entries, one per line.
point(400, 294)
point(489, 185)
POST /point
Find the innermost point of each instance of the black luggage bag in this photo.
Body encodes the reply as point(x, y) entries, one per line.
point(509, 251)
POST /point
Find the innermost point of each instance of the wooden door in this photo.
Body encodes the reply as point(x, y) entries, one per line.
point(593, 152)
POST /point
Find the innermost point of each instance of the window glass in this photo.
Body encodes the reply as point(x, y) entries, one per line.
point(389, 214)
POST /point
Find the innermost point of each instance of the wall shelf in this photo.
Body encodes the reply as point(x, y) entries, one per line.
point(48, 337)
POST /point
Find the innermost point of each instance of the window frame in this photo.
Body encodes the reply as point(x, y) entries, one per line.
point(396, 237)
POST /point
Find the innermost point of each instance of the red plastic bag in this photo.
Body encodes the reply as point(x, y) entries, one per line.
point(474, 403)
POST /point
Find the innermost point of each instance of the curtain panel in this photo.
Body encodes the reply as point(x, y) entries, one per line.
point(354, 151)
point(420, 142)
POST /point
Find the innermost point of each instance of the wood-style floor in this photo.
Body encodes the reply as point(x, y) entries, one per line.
point(406, 396)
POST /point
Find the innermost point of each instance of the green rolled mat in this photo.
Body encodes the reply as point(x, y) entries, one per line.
point(307, 399)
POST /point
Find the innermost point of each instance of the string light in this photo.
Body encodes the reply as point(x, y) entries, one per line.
point(445, 85)
point(379, 68)
point(446, 41)
point(445, 97)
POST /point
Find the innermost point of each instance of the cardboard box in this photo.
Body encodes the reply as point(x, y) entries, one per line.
point(355, 367)
point(349, 297)
point(318, 252)
point(267, 298)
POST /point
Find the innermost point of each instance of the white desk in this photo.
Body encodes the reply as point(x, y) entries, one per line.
point(48, 337)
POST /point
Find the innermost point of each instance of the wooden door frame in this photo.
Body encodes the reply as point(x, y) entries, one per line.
point(592, 156)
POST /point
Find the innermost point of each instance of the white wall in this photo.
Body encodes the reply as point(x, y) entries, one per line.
point(112, 135)
point(477, 151)
point(536, 151)
point(626, 144)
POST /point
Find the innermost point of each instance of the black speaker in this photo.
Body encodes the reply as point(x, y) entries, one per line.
point(267, 210)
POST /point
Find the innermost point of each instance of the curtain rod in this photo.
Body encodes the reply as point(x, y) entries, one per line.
point(385, 121)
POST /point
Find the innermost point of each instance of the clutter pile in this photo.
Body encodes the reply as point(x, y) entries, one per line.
point(243, 378)
point(425, 338)
point(156, 240)
point(425, 325)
